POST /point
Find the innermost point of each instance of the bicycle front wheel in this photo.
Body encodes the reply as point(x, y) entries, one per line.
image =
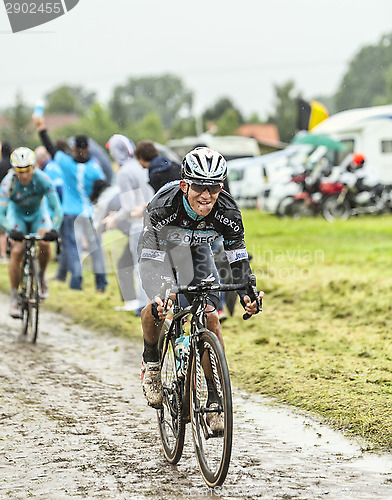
point(30, 312)
point(171, 425)
point(211, 409)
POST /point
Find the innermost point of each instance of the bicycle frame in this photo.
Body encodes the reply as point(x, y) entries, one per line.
point(196, 382)
point(30, 288)
point(198, 324)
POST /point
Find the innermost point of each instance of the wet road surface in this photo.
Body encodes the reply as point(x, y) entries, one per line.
point(74, 424)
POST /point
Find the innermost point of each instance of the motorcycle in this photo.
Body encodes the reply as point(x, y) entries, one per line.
point(357, 201)
point(307, 203)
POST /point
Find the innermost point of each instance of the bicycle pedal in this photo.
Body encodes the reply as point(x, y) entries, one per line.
point(156, 407)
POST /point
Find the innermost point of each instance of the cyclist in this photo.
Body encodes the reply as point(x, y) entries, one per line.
point(22, 211)
point(181, 222)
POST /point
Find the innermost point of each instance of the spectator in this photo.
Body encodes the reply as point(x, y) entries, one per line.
point(99, 156)
point(51, 169)
point(135, 194)
point(80, 173)
point(5, 165)
point(160, 169)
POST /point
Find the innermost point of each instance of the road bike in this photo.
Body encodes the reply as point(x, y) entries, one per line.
point(196, 382)
point(30, 287)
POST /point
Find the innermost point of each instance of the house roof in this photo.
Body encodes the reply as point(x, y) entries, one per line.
point(264, 133)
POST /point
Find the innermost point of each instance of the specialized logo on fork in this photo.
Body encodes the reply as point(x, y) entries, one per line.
point(26, 14)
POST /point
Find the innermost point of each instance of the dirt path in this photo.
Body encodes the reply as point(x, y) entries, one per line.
point(74, 424)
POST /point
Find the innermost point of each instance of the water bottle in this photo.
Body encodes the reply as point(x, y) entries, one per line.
point(39, 109)
point(178, 349)
point(185, 354)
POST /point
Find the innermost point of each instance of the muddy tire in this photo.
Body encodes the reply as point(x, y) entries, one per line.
point(170, 423)
point(30, 304)
point(212, 447)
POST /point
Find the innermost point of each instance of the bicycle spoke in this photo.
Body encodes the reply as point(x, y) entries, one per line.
point(30, 304)
point(212, 417)
point(171, 426)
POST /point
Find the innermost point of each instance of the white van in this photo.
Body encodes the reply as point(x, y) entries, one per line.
point(364, 130)
point(250, 178)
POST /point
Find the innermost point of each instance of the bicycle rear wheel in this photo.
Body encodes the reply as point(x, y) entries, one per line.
point(170, 423)
point(213, 447)
point(30, 308)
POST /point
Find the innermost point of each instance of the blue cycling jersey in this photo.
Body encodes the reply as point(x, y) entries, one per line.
point(26, 202)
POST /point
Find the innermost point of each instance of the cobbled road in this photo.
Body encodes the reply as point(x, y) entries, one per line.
point(74, 424)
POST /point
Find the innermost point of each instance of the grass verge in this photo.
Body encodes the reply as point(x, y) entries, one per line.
point(323, 342)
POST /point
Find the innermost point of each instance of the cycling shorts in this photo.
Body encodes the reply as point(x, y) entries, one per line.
point(29, 223)
point(192, 266)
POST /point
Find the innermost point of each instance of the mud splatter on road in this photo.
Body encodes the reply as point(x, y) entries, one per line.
point(74, 424)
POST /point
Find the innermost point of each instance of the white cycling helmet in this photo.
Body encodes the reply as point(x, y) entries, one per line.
point(204, 166)
point(23, 158)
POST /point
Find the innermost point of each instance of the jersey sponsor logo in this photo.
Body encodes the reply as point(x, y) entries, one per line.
point(187, 237)
point(227, 222)
point(236, 255)
point(164, 222)
point(148, 253)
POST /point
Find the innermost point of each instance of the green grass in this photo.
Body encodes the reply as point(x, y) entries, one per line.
point(323, 341)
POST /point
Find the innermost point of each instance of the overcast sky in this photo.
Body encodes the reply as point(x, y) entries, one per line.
point(218, 47)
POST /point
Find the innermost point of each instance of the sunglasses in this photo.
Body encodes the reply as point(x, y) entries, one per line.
point(200, 188)
point(22, 170)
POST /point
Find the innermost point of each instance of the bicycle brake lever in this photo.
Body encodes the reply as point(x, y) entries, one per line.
point(254, 296)
point(165, 294)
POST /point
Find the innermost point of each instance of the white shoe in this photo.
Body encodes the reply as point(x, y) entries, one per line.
point(15, 311)
point(129, 305)
point(151, 382)
point(44, 288)
point(215, 420)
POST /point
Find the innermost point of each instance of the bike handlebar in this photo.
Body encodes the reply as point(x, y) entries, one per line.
point(208, 286)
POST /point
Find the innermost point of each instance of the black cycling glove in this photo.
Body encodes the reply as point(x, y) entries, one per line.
point(16, 235)
point(51, 235)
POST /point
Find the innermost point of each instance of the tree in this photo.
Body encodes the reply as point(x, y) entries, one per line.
point(165, 95)
point(69, 99)
point(254, 119)
point(95, 123)
point(183, 128)
point(149, 128)
point(365, 82)
point(218, 109)
point(19, 131)
point(285, 114)
point(228, 123)
point(387, 98)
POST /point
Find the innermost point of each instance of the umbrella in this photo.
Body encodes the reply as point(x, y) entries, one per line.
point(319, 140)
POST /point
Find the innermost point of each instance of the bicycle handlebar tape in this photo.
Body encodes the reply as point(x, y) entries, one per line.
point(16, 235)
point(51, 235)
point(26, 15)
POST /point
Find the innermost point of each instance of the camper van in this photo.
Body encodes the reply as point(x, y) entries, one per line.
point(229, 146)
point(365, 130)
point(250, 178)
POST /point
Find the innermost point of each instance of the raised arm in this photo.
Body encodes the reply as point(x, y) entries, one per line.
point(43, 133)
